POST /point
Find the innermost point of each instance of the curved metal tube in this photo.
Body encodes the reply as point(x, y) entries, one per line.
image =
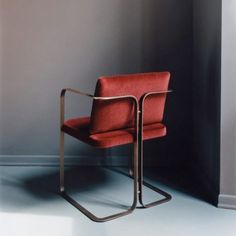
point(167, 197)
point(63, 92)
point(135, 157)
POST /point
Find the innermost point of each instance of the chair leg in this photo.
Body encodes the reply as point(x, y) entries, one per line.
point(62, 144)
point(84, 210)
point(167, 196)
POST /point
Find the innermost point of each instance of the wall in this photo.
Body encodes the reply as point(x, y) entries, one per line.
point(206, 93)
point(48, 45)
point(167, 45)
point(228, 103)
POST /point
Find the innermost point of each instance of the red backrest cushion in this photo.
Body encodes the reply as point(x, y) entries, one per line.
point(113, 115)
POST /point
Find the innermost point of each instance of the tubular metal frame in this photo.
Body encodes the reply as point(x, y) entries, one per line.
point(135, 157)
point(137, 167)
point(167, 196)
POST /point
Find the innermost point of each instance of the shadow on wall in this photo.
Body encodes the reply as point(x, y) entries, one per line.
point(167, 42)
point(207, 90)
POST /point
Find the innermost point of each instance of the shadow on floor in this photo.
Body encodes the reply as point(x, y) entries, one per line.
point(175, 178)
point(77, 179)
point(180, 179)
point(37, 187)
point(40, 187)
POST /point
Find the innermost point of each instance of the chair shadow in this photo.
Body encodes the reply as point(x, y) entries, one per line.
point(175, 179)
point(44, 187)
point(81, 179)
point(179, 179)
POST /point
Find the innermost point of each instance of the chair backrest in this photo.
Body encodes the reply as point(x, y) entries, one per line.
point(114, 115)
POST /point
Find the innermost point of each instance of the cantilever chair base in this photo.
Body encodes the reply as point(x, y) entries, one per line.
point(91, 215)
point(137, 189)
point(167, 197)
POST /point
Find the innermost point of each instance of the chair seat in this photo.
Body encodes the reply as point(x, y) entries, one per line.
point(79, 128)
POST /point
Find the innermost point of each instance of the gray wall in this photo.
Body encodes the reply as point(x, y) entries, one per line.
point(228, 103)
point(206, 92)
point(47, 45)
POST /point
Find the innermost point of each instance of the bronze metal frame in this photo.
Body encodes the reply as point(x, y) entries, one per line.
point(167, 196)
point(137, 167)
point(135, 157)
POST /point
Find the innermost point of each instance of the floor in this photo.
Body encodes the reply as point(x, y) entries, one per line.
point(31, 206)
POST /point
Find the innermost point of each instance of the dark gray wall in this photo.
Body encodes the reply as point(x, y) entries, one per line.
point(206, 92)
point(167, 45)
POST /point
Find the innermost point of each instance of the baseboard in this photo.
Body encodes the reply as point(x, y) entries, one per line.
point(227, 201)
point(53, 160)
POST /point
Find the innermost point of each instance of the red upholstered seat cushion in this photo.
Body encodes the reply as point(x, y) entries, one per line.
point(115, 115)
point(79, 128)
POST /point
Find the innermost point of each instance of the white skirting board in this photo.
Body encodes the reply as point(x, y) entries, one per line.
point(53, 160)
point(227, 201)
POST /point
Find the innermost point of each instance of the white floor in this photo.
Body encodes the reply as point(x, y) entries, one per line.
point(30, 206)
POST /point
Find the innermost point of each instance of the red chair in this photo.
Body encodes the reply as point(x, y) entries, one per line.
point(127, 109)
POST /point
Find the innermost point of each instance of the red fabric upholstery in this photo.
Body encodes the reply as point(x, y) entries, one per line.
point(115, 115)
point(79, 128)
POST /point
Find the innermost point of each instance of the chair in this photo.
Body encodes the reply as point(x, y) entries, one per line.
point(127, 109)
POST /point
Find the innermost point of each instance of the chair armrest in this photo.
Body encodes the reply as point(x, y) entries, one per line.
point(153, 93)
point(62, 101)
point(156, 92)
point(123, 97)
point(63, 92)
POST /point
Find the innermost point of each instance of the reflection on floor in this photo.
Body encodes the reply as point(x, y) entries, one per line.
point(30, 205)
